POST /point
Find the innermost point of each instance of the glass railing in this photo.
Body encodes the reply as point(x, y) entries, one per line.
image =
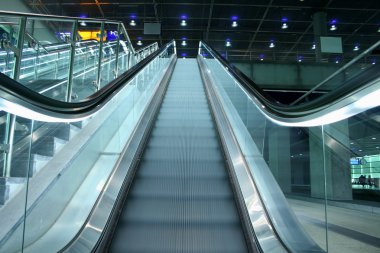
point(318, 177)
point(361, 70)
point(52, 177)
point(64, 58)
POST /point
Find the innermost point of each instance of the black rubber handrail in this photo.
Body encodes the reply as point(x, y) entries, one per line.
point(17, 93)
point(353, 85)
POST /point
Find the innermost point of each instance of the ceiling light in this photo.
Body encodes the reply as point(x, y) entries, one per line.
point(82, 23)
point(228, 42)
point(356, 47)
point(284, 23)
point(377, 147)
point(139, 43)
point(313, 46)
point(183, 43)
point(360, 150)
point(373, 61)
point(378, 29)
point(132, 22)
point(261, 56)
point(373, 138)
point(184, 55)
point(271, 44)
point(234, 24)
point(183, 20)
point(299, 58)
point(333, 25)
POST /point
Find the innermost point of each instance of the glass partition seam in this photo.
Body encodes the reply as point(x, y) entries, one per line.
point(325, 184)
point(72, 58)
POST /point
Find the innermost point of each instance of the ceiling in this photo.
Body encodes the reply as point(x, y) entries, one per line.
point(259, 23)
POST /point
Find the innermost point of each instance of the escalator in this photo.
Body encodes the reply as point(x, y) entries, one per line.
point(170, 157)
point(181, 199)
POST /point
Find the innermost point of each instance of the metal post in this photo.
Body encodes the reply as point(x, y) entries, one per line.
point(117, 51)
point(100, 56)
point(72, 60)
point(10, 130)
point(11, 119)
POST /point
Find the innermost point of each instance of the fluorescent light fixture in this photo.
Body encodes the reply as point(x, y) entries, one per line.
point(284, 23)
point(333, 28)
point(333, 25)
point(132, 22)
point(228, 43)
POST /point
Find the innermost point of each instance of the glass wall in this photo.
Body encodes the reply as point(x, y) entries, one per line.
point(310, 169)
point(52, 173)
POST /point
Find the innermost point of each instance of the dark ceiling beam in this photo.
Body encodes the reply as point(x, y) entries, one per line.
point(209, 19)
point(100, 8)
point(259, 26)
point(286, 7)
point(307, 30)
point(363, 24)
point(157, 18)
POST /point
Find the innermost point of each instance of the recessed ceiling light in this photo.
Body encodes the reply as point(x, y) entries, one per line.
point(373, 138)
point(183, 43)
point(284, 23)
point(132, 23)
point(139, 43)
point(234, 24)
point(228, 43)
point(333, 25)
point(313, 46)
point(271, 44)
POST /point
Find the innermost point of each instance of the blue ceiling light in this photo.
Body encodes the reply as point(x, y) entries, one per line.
point(373, 61)
point(356, 47)
point(184, 43)
point(333, 25)
point(337, 60)
point(299, 58)
point(133, 18)
point(284, 22)
point(271, 44)
point(261, 57)
point(83, 23)
point(183, 20)
point(184, 55)
point(234, 21)
point(139, 42)
point(228, 43)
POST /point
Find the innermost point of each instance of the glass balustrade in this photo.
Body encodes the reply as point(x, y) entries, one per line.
point(64, 58)
point(52, 173)
point(328, 174)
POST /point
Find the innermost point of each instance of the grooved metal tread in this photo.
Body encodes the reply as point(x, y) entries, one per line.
point(180, 199)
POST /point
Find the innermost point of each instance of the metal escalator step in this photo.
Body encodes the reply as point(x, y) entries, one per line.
point(161, 140)
point(184, 154)
point(172, 187)
point(159, 168)
point(194, 211)
point(184, 238)
point(202, 130)
point(180, 199)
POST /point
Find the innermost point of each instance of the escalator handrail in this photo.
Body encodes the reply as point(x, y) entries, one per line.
point(287, 114)
point(14, 93)
point(339, 71)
